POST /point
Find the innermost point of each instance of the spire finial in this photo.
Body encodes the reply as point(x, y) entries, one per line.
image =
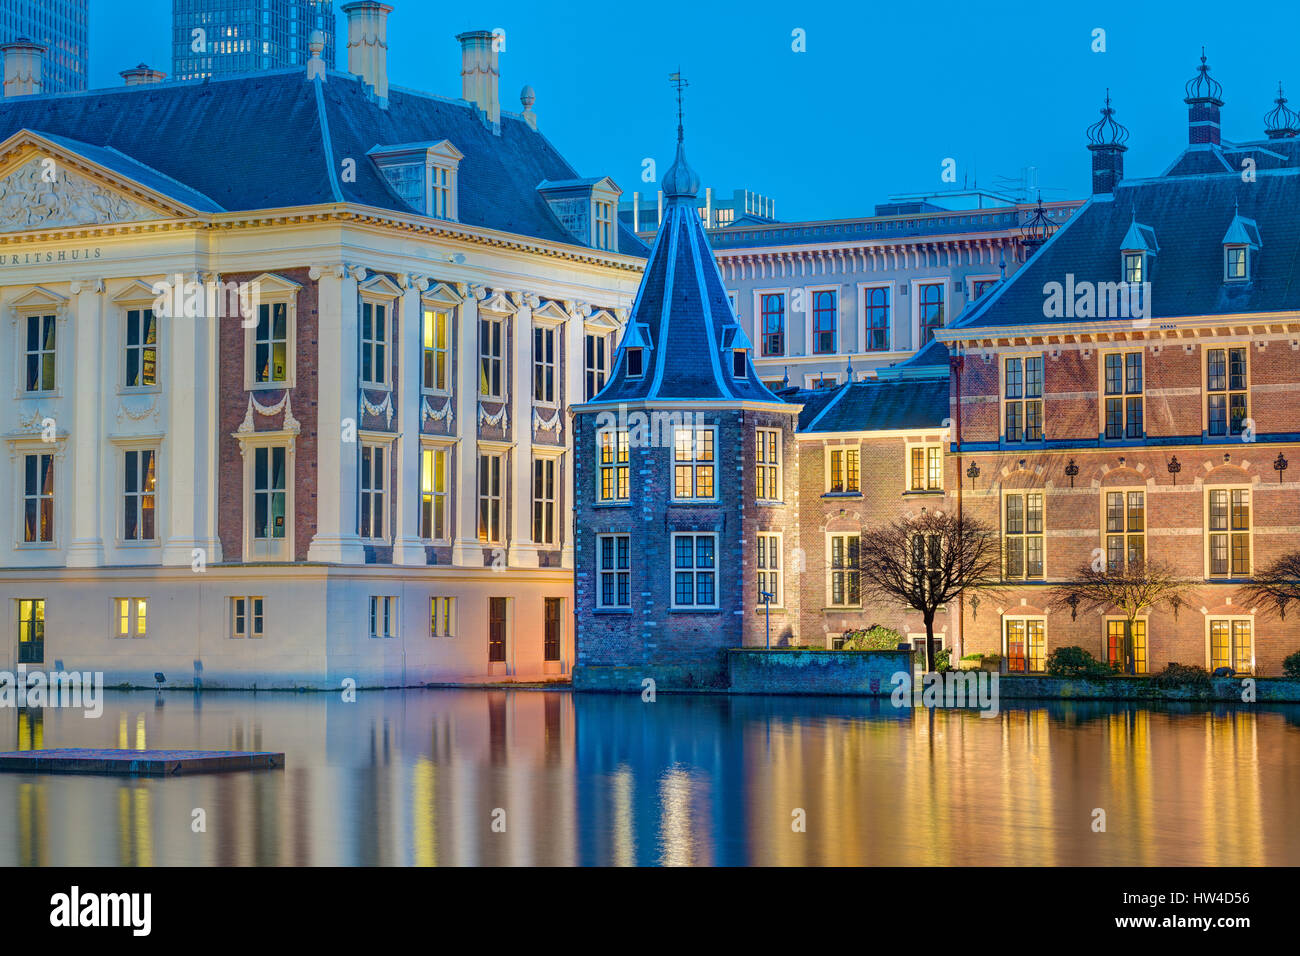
point(680, 83)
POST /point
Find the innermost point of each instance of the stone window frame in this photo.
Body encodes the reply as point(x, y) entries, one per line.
point(1023, 535)
point(1231, 619)
point(270, 290)
point(775, 468)
point(1126, 534)
point(695, 570)
point(778, 572)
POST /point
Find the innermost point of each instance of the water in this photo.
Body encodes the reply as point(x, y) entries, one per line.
point(418, 777)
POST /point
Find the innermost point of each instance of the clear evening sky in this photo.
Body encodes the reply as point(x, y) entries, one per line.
point(882, 95)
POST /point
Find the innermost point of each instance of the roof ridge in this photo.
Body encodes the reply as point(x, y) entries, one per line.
point(327, 145)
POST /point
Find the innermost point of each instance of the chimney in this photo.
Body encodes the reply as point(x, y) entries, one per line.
point(1106, 139)
point(368, 43)
point(142, 74)
point(478, 72)
point(23, 60)
point(1203, 101)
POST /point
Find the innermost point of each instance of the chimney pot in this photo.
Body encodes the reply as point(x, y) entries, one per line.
point(479, 73)
point(23, 58)
point(142, 74)
point(368, 43)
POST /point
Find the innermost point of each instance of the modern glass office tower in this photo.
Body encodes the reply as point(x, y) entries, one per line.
point(61, 26)
point(240, 36)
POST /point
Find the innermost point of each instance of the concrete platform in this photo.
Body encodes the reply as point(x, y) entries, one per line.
point(137, 763)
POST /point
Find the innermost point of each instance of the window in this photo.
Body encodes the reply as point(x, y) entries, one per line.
point(604, 225)
point(613, 469)
point(246, 618)
point(1226, 387)
point(38, 498)
point(271, 344)
point(875, 319)
point(1115, 645)
point(1231, 644)
point(436, 337)
point(1026, 644)
point(139, 486)
point(767, 446)
point(551, 628)
point(1134, 267)
point(544, 364)
point(693, 463)
point(374, 343)
point(739, 363)
point(497, 608)
point(769, 568)
point(440, 178)
point(1023, 398)
point(930, 308)
point(613, 569)
point(268, 491)
point(845, 581)
point(544, 500)
point(772, 310)
point(383, 616)
point(131, 617)
point(1023, 535)
point(442, 617)
point(141, 349)
point(597, 346)
point(925, 471)
point(490, 345)
point(1125, 531)
point(1123, 391)
point(979, 286)
point(1229, 544)
point(40, 353)
point(844, 471)
point(433, 493)
point(694, 574)
point(31, 630)
point(1234, 263)
point(825, 320)
point(634, 362)
point(489, 497)
point(372, 491)
point(823, 381)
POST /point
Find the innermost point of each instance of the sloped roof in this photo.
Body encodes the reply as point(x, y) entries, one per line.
point(877, 406)
point(685, 312)
point(274, 139)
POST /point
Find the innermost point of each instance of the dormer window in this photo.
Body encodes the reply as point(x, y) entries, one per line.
point(424, 175)
point(1235, 263)
point(739, 363)
point(604, 225)
point(1136, 252)
point(1135, 264)
point(585, 208)
point(634, 345)
point(634, 363)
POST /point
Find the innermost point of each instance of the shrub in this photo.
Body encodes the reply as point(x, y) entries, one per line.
point(1076, 662)
point(875, 638)
point(1184, 676)
point(1291, 665)
point(972, 657)
point(943, 660)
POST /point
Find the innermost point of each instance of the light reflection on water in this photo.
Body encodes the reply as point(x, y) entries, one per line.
point(419, 777)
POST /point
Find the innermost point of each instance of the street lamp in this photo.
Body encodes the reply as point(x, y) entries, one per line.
point(768, 597)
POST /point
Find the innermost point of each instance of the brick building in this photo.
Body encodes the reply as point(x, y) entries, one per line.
point(1132, 391)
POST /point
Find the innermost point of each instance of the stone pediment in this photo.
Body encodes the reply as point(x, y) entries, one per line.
point(43, 193)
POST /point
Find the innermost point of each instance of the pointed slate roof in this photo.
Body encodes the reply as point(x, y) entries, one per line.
point(682, 314)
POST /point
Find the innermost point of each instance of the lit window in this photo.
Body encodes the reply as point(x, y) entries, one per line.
point(246, 617)
point(31, 630)
point(131, 617)
point(693, 463)
point(40, 353)
point(433, 493)
point(1115, 644)
point(844, 570)
point(141, 348)
point(1229, 532)
point(613, 565)
point(1026, 644)
point(1022, 386)
point(1023, 535)
point(1134, 267)
point(695, 570)
point(1231, 645)
point(1226, 389)
point(139, 486)
point(767, 446)
point(843, 471)
point(38, 498)
point(490, 487)
point(436, 335)
point(925, 471)
point(769, 568)
point(1235, 265)
point(442, 617)
point(613, 466)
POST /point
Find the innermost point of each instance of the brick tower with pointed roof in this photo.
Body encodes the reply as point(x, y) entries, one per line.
point(681, 468)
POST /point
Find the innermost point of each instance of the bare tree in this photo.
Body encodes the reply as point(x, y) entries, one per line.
point(1275, 586)
point(1131, 591)
point(926, 561)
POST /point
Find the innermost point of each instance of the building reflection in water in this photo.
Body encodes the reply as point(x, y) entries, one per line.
point(520, 778)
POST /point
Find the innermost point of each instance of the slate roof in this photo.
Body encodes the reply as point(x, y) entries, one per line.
point(876, 406)
point(274, 139)
point(682, 310)
point(1189, 212)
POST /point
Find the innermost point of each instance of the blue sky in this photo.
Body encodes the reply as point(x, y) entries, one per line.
point(882, 95)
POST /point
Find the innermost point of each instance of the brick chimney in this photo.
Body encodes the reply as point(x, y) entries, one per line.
point(1106, 139)
point(23, 60)
point(141, 74)
point(479, 73)
point(1203, 102)
point(368, 43)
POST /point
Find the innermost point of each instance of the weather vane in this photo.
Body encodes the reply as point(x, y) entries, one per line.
point(680, 83)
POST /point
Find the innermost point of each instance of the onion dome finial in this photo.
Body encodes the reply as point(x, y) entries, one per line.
point(1203, 88)
point(1107, 131)
point(1281, 121)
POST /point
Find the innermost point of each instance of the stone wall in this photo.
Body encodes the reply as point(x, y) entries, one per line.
point(1224, 689)
point(757, 671)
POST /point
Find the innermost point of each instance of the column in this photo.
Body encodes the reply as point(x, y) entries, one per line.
point(408, 547)
point(336, 540)
point(523, 550)
point(575, 383)
point(86, 549)
point(466, 551)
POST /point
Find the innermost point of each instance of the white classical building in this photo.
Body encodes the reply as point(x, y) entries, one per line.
point(359, 469)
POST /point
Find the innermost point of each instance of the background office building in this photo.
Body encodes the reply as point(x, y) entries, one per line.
point(245, 35)
point(59, 25)
point(644, 211)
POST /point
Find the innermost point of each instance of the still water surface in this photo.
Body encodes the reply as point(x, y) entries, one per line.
point(418, 777)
